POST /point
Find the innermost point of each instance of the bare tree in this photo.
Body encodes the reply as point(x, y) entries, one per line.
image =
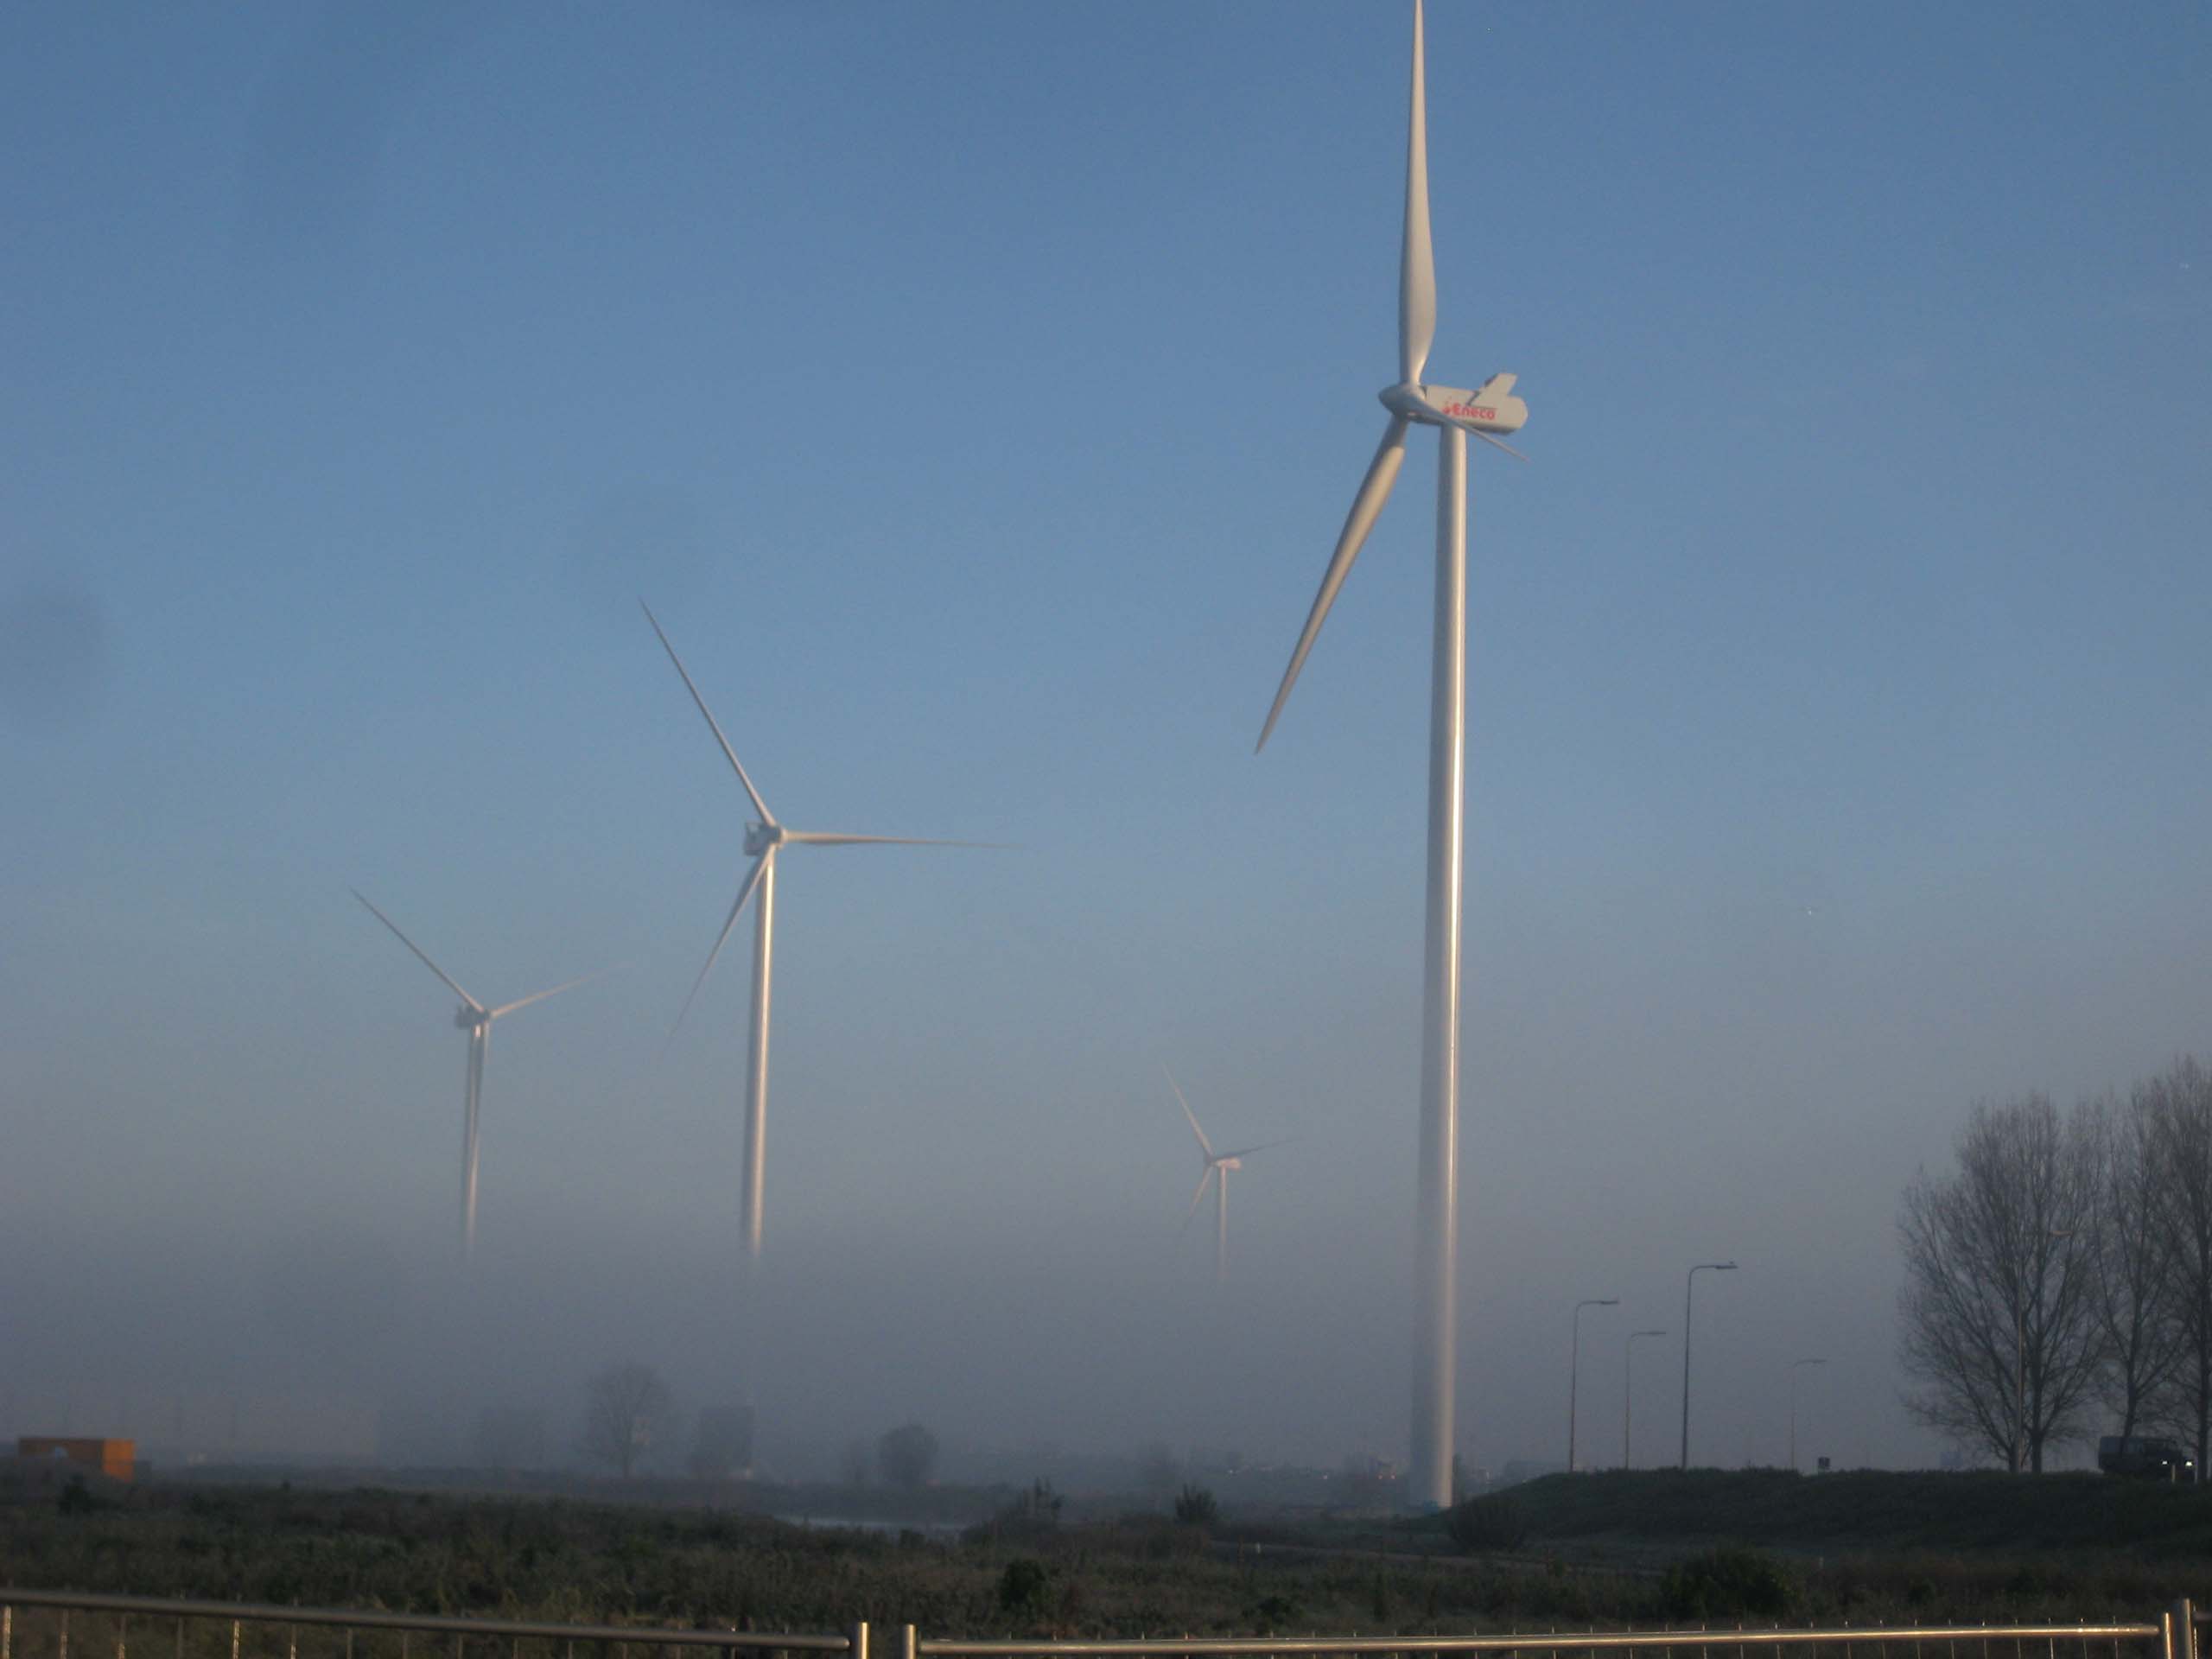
point(2181, 1109)
point(1156, 1467)
point(2133, 1252)
point(2000, 1331)
point(856, 1463)
point(906, 1456)
point(624, 1408)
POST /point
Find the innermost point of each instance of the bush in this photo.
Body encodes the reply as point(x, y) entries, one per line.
point(1488, 1524)
point(1195, 1507)
point(906, 1456)
point(1728, 1584)
point(1022, 1586)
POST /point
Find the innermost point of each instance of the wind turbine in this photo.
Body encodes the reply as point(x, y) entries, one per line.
point(1217, 1166)
point(1454, 413)
point(763, 837)
point(475, 1019)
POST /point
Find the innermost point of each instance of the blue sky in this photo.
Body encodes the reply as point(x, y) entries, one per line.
point(975, 390)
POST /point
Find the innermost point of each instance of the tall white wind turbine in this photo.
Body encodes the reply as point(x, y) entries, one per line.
point(763, 838)
point(1217, 1166)
point(1454, 413)
point(475, 1019)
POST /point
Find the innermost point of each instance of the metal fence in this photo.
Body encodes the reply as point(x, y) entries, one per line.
point(165, 1629)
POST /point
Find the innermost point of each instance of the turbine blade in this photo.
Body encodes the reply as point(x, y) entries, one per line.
point(744, 893)
point(525, 1001)
point(1204, 1146)
point(1417, 263)
point(1197, 1198)
point(1366, 507)
point(819, 838)
point(451, 983)
point(759, 805)
point(1246, 1152)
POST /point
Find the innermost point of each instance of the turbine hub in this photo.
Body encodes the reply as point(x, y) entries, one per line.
point(759, 837)
point(468, 1019)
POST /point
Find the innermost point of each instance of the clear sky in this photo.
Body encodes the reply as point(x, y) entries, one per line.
point(975, 390)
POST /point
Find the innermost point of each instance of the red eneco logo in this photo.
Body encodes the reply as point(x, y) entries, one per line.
point(1470, 411)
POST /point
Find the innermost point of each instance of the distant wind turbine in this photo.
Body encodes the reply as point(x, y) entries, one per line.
point(1454, 413)
point(1217, 1166)
point(475, 1019)
point(763, 838)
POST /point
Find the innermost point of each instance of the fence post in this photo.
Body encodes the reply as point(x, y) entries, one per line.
point(856, 1637)
point(2181, 1640)
point(909, 1644)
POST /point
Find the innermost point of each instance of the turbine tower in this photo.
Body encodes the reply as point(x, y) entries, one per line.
point(1454, 413)
point(1217, 1166)
point(763, 838)
point(475, 1019)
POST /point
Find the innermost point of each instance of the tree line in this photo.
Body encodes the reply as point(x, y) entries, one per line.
point(2059, 1280)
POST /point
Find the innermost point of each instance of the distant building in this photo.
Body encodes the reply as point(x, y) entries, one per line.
point(117, 1460)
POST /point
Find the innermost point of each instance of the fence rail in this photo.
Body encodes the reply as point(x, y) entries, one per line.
point(2173, 1632)
point(237, 1614)
point(1564, 1641)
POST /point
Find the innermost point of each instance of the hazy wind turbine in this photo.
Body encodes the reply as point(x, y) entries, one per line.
point(1219, 1163)
point(763, 838)
point(475, 1019)
point(1454, 413)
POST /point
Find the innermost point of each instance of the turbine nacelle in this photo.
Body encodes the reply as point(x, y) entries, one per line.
point(762, 837)
point(1491, 407)
point(468, 1017)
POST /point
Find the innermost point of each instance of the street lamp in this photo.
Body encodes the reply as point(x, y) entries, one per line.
point(1574, 1369)
point(2020, 1365)
point(1628, 1390)
point(1688, 1289)
point(1794, 1366)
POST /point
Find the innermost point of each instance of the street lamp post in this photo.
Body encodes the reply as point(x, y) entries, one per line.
point(1628, 1391)
point(1574, 1368)
point(1795, 1365)
point(1688, 1288)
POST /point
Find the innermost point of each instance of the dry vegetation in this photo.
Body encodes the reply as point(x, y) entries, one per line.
point(557, 1559)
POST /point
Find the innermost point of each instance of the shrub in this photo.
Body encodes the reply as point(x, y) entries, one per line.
point(1022, 1586)
point(1728, 1583)
point(906, 1456)
point(1194, 1507)
point(1488, 1524)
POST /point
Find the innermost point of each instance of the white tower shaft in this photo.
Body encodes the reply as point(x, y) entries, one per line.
point(756, 1057)
point(1221, 1225)
point(1437, 1219)
point(471, 1113)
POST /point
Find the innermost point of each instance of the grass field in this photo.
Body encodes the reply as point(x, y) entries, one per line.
point(1868, 1511)
point(1610, 1551)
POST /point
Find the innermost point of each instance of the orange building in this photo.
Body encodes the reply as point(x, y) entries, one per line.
point(117, 1460)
